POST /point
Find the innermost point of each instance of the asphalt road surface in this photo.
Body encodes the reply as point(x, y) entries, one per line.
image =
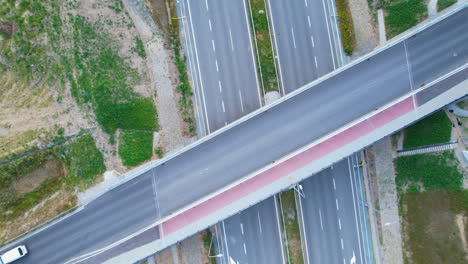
point(333, 215)
point(252, 236)
point(213, 164)
point(307, 40)
point(220, 60)
point(226, 83)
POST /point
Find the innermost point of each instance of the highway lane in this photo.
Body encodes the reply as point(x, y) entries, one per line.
point(220, 33)
point(333, 217)
point(252, 236)
point(107, 219)
point(221, 60)
point(312, 49)
point(206, 167)
point(306, 37)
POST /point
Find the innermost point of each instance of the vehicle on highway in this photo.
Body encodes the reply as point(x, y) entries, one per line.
point(13, 254)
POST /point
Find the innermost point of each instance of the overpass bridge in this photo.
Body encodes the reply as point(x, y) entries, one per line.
point(266, 151)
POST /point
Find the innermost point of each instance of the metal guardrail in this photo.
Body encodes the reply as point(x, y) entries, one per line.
point(428, 149)
point(48, 146)
point(39, 226)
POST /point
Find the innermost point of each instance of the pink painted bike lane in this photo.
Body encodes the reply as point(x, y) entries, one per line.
point(288, 166)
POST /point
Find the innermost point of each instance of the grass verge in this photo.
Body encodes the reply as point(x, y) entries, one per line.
point(402, 15)
point(261, 31)
point(442, 4)
point(345, 19)
point(207, 238)
point(430, 171)
point(135, 147)
point(433, 129)
point(291, 224)
point(26, 182)
point(183, 89)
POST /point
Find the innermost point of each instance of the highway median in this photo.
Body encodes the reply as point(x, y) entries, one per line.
point(266, 64)
point(290, 227)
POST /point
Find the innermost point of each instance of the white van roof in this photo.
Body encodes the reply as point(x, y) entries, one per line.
point(14, 254)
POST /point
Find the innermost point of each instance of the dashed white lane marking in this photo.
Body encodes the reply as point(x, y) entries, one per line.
point(342, 245)
point(242, 228)
point(222, 104)
point(320, 216)
point(334, 185)
point(242, 103)
point(339, 223)
point(293, 38)
point(337, 207)
point(305, 1)
point(206, 3)
point(308, 20)
point(220, 87)
point(344, 261)
point(212, 43)
point(225, 241)
point(312, 40)
point(209, 22)
point(217, 68)
point(259, 222)
point(315, 59)
point(232, 42)
point(245, 249)
point(225, 123)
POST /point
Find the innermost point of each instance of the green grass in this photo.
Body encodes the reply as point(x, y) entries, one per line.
point(433, 129)
point(432, 171)
point(290, 218)
point(102, 78)
point(265, 52)
point(403, 15)
point(345, 18)
point(139, 48)
point(429, 226)
point(135, 147)
point(31, 20)
point(442, 4)
point(208, 244)
point(83, 160)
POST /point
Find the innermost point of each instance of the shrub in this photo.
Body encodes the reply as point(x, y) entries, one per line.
point(345, 18)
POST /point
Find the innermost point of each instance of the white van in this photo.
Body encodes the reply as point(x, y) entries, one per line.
point(13, 254)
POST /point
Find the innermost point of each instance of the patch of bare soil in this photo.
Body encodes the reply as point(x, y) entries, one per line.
point(364, 27)
point(45, 210)
point(50, 169)
point(462, 222)
point(431, 229)
point(373, 187)
point(159, 12)
point(164, 257)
